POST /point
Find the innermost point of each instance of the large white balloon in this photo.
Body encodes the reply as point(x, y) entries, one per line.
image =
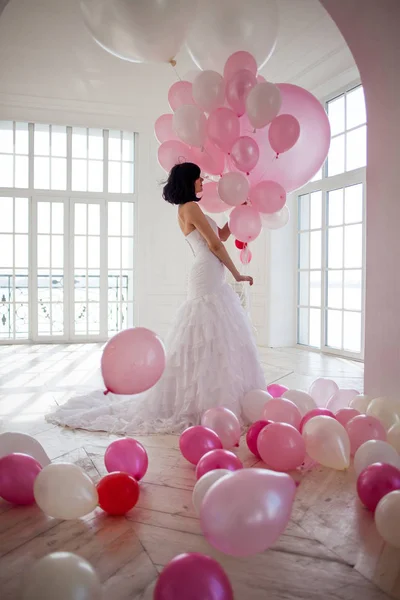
point(387, 518)
point(203, 485)
point(139, 30)
point(13, 441)
point(375, 451)
point(253, 404)
point(224, 27)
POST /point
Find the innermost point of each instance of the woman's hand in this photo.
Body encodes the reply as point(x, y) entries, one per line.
point(245, 279)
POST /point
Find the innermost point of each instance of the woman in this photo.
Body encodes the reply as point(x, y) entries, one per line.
point(212, 358)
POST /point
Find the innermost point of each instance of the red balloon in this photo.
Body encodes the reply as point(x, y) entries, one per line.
point(195, 577)
point(118, 493)
point(375, 482)
point(240, 245)
point(196, 441)
point(252, 436)
point(315, 412)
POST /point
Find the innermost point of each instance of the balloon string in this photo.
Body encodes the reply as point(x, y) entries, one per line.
point(172, 62)
point(266, 170)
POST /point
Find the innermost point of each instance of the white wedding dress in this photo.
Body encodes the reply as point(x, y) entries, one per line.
point(212, 360)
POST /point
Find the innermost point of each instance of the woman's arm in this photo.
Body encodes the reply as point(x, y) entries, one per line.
point(195, 217)
point(224, 232)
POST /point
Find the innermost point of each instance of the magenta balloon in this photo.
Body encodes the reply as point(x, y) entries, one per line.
point(276, 390)
point(237, 88)
point(237, 62)
point(163, 129)
point(210, 201)
point(193, 576)
point(210, 159)
point(180, 93)
point(172, 153)
point(223, 128)
point(127, 455)
point(361, 429)
point(344, 415)
point(375, 482)
point(282, 411)
point(218, 459)
point(281, 447)
point(315, 412)
point(196, 441)
point(252, 436)
point(268, 197)
point(17, 476)
point(247, 512)
point(245, 223)
point(245, 154)
point(298, 165)
point(283, 133)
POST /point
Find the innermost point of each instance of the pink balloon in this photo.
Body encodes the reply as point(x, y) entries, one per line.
point(283, 133)
point(246, 256)
point(173, 152)
point(245, 154)
point(344, 415)
point(218, 459)
point(321, 390)
point(180, 93)
point(341, 399)
point(316, 412)
point(239, 61)
point(233, 188)
point(261, 79)
point(196, 441)
point(163, 129)
point(245, 223)
point(296, 167)
point(127, 455)
point(223, 128)
point(225, 424)
point(17, 476)
point(210, 201)
point(276, 390)
point(363, 428)
point(252, 436)
point(246, 513)
point(282, 411)
point(375, 482)
point(210, 159)
point(268, 197)
point(281, 447)
point(237, 89)
point(132, 361)
point(193, 576)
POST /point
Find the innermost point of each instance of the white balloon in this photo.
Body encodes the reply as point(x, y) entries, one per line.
point(139, 30)
point(387, 518)
point(12, 441)
point(190, 125)
point(254, 403)
point(375, 451)
point(360, 403)
point(386, 410)
point(263, 103)
point(393, 436)
point(302, 400)
point(203, 485)
point(276, 220)
point(322, 389)
point(64, 576)
point(65, 491)
point(233, 188)
point(226, 26)
point(209, 90)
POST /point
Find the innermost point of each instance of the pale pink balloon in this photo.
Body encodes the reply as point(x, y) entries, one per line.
point(245, 154)
point(223, 128)
point(245, 223)
point(263, 103)
point(163, 129)
point(190, 124)
point(237, 90)
point(196, 441)
point(127, 455)
point(316, 412)
point(344, 415)
point(302, 400)
point(246, 256)
point(247, 512)
point(233, 188)
point(283, 133)
point(268, 197)
point(132, 361)
point(237, 62)
point(261, 79)
point(17, 477)
point(277, 390)
point(321, 390)
point(281, 446)
point(180, 93)
point(172, 153)
point(209, 90)
point(341, 399)
point(282, 411)
point(218, 459)
point(210, 201)
point(225, 424)
point(363, 428)
point(210, 159)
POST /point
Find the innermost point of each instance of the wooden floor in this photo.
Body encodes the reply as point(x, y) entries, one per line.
point(330, 550)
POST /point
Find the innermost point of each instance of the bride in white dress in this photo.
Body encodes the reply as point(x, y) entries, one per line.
point(212, 358)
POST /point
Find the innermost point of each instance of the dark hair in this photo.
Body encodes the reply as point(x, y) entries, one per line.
point(180, 187)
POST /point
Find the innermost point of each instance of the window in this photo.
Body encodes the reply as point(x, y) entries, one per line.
point(60, 199)
point(330, 270)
